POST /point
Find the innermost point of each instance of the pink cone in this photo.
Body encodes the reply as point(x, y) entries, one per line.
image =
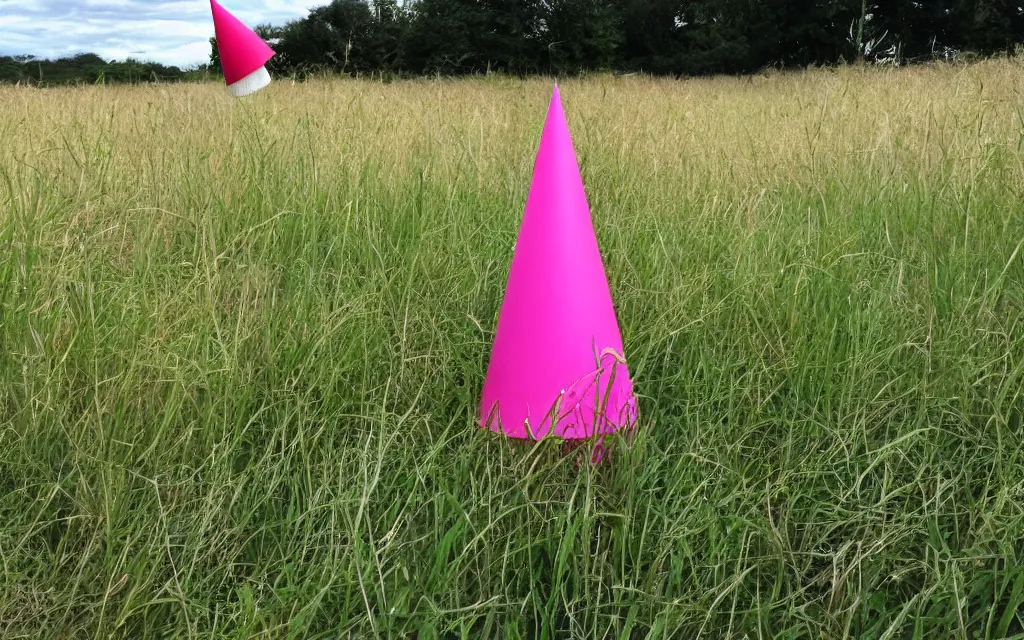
point(557, 365)
point(242, 53)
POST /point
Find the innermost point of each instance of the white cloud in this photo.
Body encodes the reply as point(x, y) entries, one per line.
point(168, 31)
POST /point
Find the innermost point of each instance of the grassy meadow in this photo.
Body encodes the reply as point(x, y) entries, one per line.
point(242, 345)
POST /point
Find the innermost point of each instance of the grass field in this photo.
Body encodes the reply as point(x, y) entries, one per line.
point(242, 345)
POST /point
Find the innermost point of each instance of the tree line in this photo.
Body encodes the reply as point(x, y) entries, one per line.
point(677, 37)
point(83, 68)
point(522, 37)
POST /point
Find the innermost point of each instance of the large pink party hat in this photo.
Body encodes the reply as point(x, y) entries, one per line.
point(242, 53)
point(557, 366)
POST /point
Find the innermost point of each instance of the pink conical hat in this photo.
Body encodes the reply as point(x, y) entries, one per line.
point(557, 354)
point(242, 53)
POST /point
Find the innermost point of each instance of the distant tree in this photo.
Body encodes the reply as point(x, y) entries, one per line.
point(386, 42)
point(994, 25)
point(469, 36)
point(678, 37)
point(335, 36)
point(440, 36)
point(214, 54)
point(83, 68)
point(10, 69)
point(711, 38)
point(582, 35)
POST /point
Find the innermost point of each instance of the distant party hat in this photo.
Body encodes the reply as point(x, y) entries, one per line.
point(242, 53)
point(557, 366)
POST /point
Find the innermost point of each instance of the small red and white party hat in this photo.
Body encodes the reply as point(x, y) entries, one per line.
point(243, 54)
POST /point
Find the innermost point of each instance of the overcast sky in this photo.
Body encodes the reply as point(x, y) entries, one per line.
point(167, 31)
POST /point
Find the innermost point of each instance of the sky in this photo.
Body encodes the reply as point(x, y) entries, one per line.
point(169, 31)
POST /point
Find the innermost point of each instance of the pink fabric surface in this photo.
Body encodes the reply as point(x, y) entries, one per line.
point(557, 363)
point(241, 50)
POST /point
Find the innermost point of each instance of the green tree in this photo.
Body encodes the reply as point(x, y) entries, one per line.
point(656, 36)
point(385, 48)
point(332, 37)
point(468, 36)
point(582, 35)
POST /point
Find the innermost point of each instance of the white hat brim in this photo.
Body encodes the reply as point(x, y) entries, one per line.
point(251, 83)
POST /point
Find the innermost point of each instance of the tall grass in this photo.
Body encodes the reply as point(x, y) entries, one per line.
point(242, 345)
